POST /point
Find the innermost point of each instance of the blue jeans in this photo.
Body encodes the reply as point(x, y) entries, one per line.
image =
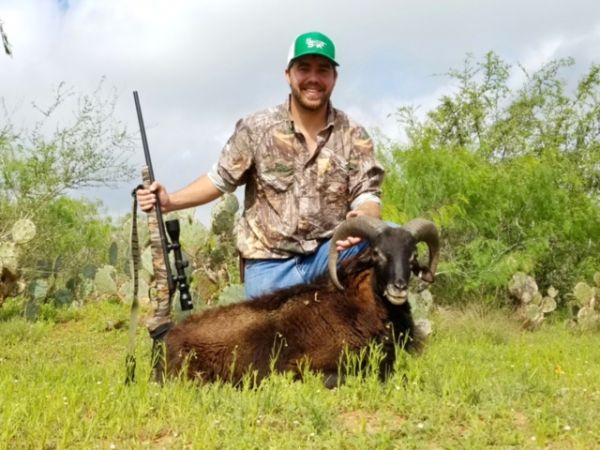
point(267, 275)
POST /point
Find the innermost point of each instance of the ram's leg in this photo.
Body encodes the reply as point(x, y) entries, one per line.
point(333, 380)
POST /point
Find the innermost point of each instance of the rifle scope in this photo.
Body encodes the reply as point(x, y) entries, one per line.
point(185, 299)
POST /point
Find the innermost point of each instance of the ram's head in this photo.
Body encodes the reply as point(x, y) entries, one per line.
point(394, 253)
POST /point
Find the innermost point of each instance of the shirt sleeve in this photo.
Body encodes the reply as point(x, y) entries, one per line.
point(237, 157)
point(218, 181)
point(365, 172)
point(364, 198)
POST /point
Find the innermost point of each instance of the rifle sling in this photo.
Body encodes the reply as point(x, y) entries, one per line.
point(161, 324)
point(133, 316)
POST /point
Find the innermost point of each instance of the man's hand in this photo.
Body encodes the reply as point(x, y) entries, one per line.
point(356, 213)
point(147, 197)
point(350, 240)
point(347, 243)
point(369, 209)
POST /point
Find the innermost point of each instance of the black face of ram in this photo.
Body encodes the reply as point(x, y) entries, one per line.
point(394, 252)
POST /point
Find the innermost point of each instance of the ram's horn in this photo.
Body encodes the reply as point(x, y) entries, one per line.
point(365, 227)
point(425, 231)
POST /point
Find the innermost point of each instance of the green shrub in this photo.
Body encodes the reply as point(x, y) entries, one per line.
point(527, 214)
point(58, 314)
point(11, 308)
point(509, 175)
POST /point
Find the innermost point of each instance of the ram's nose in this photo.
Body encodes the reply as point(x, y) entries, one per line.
point(397, 293)
point(400, 286)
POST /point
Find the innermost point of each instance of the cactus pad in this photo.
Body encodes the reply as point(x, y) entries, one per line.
point(583, 293)
point(105, 280)
point(8, 257)
point(23, 231)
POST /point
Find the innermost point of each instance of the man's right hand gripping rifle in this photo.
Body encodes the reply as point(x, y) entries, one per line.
point(147, 197)
point(199, 192)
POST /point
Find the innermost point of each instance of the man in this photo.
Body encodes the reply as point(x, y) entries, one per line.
point(306, 167)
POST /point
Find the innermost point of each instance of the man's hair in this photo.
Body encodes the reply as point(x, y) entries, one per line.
point(291, 63)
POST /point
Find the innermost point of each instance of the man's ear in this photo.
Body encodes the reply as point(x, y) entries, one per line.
point(287, 74)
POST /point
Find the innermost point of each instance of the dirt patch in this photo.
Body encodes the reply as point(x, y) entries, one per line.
point(371, 422)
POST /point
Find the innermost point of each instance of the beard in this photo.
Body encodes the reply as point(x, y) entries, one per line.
point(310, 104)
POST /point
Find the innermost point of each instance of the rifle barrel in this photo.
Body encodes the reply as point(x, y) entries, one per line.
point(138, 109)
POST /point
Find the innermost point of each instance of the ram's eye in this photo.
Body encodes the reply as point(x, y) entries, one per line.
point(378, 255)
point(414, 260)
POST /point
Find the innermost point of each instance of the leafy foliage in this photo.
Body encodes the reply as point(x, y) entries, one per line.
point(510, 176)
point(40, 169)
point(40, 164)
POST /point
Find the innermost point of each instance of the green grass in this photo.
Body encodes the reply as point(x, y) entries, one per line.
point(481, 383)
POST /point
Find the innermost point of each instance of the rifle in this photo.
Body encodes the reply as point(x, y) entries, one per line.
point(165, 283)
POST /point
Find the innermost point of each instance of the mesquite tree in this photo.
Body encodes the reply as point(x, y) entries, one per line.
point(508, 165)
point(41, 167)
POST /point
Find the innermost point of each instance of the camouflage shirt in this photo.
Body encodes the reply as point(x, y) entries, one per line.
point(294, 199)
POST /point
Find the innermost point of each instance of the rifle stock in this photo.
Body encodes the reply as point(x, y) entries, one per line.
point(165, 283)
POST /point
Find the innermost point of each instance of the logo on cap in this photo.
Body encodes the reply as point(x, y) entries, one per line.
point(313, 43)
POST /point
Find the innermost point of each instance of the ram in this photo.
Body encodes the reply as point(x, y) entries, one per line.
point(314, 324)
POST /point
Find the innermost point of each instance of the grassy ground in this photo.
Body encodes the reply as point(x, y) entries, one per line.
point(481, 383)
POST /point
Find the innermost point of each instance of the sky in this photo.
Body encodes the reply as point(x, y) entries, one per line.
point(199, 66)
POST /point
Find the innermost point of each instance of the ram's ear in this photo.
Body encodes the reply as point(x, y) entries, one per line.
point(364, 259)
point(426, 275)
point(415, 267)
point(367, 256)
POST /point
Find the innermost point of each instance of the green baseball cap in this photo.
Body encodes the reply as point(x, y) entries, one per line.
point(312, 43)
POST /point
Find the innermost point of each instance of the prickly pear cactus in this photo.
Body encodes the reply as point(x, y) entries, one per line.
point(233, 293)
point(532, 306)
point(37, 291)
point(588, 299)
point(523, 288)
point(146, 259)
point(223, 215)
point(583, 293)
point(421, 303)
point(205, 286)
point(125, 291)
point(193, 234)
point(23, 231)
point(549, 303)
point(105, 281)
point(113, 254)
point(85, 289)
point(8, 257)
point(89, 272)
point(63, 297)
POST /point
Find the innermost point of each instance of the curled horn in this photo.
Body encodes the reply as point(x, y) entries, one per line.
point(425, 231)
point(365, 227)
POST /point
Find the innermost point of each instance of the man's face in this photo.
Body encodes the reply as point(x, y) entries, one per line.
point(311, 79)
